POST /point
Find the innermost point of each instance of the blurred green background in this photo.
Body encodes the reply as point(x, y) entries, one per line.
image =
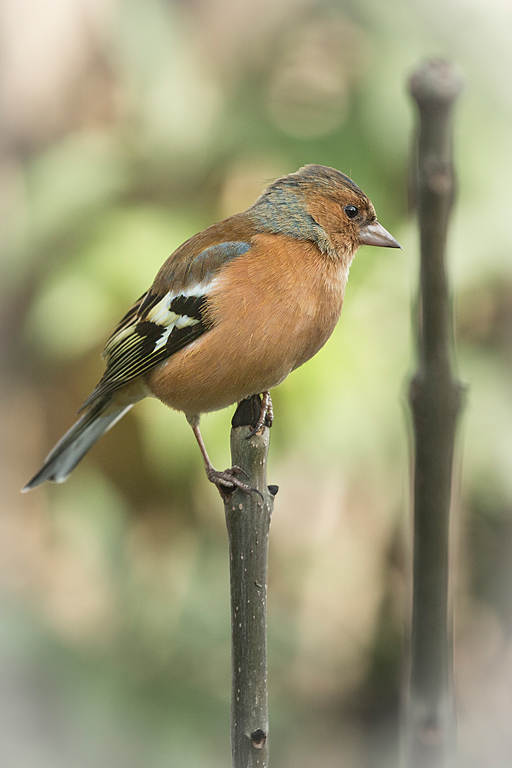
point(129, 125)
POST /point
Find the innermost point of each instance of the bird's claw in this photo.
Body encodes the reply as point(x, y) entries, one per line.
point(266, 416)
point(226, 481)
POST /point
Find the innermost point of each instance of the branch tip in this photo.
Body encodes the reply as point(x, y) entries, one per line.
point(436, 82)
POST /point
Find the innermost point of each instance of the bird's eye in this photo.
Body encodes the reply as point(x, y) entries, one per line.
point(351, 211)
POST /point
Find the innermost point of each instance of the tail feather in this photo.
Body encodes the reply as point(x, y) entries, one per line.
point(76, 442)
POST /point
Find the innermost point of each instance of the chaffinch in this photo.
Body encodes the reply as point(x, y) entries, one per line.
point(232, 312)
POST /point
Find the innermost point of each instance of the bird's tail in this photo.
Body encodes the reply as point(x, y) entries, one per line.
point(76, 442)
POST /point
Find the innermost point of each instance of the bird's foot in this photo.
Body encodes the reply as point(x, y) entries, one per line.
point(266, 416)
point(227, 481)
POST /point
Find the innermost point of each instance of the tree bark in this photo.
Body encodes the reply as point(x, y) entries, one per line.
point(248, 522)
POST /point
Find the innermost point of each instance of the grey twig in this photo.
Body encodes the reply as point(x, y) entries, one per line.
point(248, 521)
point(436, 398)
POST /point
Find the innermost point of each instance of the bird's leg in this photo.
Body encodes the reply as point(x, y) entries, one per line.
point(266, 416)
point(225, 481)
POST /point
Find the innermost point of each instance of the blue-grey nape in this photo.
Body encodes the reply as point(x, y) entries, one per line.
point(282, 211)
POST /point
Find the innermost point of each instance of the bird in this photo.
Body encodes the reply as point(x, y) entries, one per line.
point(232, 312)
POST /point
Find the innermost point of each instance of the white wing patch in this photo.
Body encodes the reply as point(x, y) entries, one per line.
point(172, 321)
point(161, 314)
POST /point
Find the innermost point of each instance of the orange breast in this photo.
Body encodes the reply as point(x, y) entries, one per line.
point(272, 309)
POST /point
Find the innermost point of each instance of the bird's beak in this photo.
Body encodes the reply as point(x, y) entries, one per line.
point(375, 234)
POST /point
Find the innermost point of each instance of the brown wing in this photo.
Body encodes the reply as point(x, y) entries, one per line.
point(160, 323)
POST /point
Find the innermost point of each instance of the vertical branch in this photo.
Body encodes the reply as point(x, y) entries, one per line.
point(248, 521)
point(436, 399)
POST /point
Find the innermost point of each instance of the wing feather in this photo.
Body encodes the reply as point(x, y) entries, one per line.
point(160, 324)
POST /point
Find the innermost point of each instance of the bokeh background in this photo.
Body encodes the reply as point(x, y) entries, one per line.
point(127, 126)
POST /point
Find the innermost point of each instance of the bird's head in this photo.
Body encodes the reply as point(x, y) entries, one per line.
point(322, 204)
